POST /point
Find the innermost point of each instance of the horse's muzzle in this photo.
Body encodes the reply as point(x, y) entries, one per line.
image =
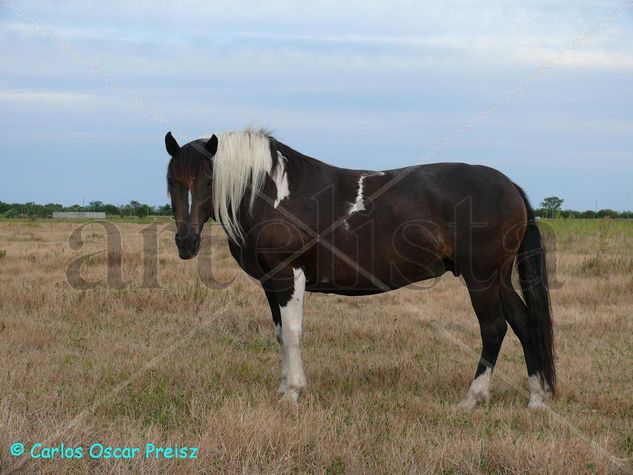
point(188, 245)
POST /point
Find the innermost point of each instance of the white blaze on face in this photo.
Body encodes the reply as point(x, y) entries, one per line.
point(190, 198)
point(280, 177)
point(359, 204)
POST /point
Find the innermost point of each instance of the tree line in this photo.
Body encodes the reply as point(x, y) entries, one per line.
point(34, 210)
point(551, 207)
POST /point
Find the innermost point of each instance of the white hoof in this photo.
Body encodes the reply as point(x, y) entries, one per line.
point(467, 404)
point(283, 387)
point(478, 392)
point(537, 404)
point(291, 395)
point(540, 393)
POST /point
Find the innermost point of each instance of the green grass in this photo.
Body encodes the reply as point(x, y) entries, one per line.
point(566, 227)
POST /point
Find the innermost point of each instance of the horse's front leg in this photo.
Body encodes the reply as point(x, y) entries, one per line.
point(276, 314)
point(286, 304)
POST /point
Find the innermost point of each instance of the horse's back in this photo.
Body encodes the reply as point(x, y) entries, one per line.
point(441, 188)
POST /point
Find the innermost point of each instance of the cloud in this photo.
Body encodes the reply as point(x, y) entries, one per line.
point(47, 98)
point(367, 84)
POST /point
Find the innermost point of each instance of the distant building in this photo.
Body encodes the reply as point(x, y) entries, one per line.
point(79, 215)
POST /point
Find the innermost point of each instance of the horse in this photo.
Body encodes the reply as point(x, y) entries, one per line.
point(297, 224)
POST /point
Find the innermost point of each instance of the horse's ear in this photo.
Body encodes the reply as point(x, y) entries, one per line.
point(212, 145)
point(171, 145)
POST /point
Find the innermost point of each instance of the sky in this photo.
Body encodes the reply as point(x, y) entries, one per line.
point(359, 84)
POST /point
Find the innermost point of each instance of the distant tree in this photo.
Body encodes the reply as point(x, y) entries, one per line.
point(11, 213)
point(164, 210)
point(54, 207)
point(552, 205)
point(133, 208)
point(111, 209)
point(142, 211)
point(607, 213)
point(35, 210)
point(95, 206)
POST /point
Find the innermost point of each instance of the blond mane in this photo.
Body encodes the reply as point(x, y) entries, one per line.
point(240, 164)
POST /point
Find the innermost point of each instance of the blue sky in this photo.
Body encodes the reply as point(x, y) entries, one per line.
point(360, 84)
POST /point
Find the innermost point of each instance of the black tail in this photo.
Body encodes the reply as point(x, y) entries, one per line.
point(533, 277)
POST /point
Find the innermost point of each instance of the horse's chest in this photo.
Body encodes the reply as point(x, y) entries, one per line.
point(246, 258)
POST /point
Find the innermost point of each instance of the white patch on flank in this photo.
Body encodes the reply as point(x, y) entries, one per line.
point(479, 390)
point(359, 204)
point(240, 164)
point(293, 379)
point(280, 177)
point(538, 394)
point(190, 197)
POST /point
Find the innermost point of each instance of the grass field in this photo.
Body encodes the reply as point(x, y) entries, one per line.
point(189, 365)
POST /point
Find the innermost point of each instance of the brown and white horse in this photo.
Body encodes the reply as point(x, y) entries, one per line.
point(297, 224)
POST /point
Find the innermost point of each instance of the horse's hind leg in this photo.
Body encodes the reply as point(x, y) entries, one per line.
point(487, 304)
point(516, 313)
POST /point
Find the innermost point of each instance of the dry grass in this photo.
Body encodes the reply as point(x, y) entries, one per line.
point(197, 366)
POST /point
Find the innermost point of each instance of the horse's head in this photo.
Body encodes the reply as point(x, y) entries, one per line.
point(189, 180)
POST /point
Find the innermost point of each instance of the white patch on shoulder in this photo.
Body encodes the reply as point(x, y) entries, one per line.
point(359, 204)
point(280, 177)
point(479, 390)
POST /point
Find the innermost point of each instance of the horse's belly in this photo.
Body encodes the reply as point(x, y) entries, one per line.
point(366, 270)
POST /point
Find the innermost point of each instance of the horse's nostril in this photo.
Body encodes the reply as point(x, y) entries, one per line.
point(179, 239)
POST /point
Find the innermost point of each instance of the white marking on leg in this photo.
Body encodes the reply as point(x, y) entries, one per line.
point(280, 339)
point(359, 204)
point(291, 328)
point(479, 390)
point(283, 385)
point(538, 393)
point(280, 177)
